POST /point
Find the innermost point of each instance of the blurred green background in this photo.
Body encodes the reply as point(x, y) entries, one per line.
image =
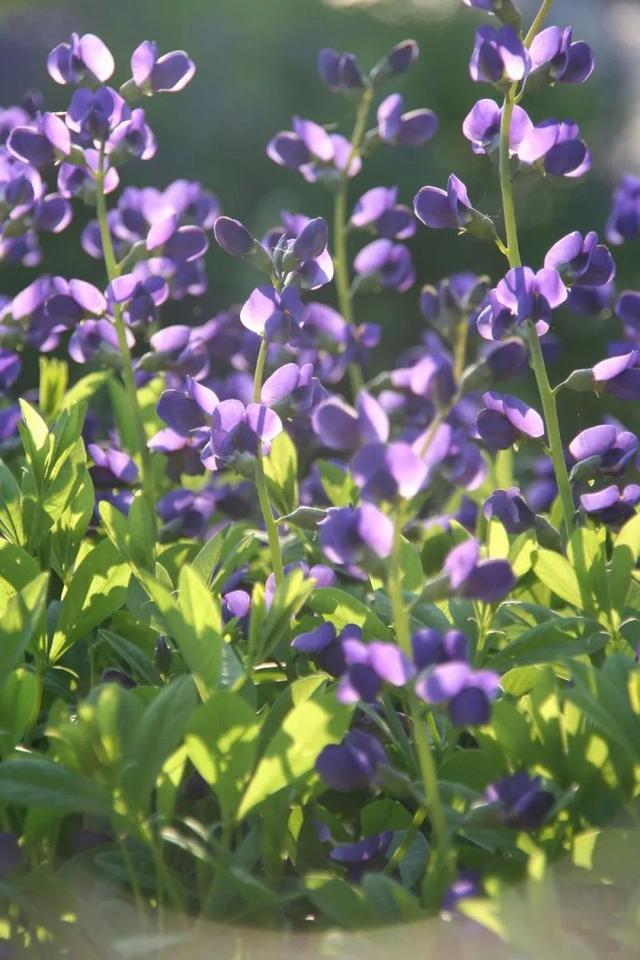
point(256, 67)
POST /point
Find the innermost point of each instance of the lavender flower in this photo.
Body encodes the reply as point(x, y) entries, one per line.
point(523, 804)
point(385, 263)
point(353, 764)
point(314, 152)
point(406, 129)
point(624, 219)
point(84, 59)
point(237, 430)
point(560, 59)
point(168, 73)
point(612, 506)
point(466, 693)
point(522, 296)
point(603, 449)
point(378, 210)
point(388, 471)
point(499, 56)
point(450, 209)
point(581, 260)
point(510, 509)
point(357, 535)
point(619, 376)
point(481, 127)
point(340, 427)
point(506, 420)
point(339, 71)
point(487, 580)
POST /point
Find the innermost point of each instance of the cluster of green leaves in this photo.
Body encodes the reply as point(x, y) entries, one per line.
point(200, 782)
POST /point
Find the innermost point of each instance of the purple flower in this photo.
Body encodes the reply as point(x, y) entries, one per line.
point(506, 420)
point(368, 667)
point(378, 210)
point(388, 471)
point(340, 427)
point(142, 294)
point(299, 251)
point(41, 142)
point(612, 506)
point(431, 647)
point(236, 605)
point(272, 314)
point(93, 115)
point(387, 264)
point(131, 138)
point(559, 59)
point(555, 146)
point(357, 535)
point(112, 467)
point(459, 293)
point(352, 764)
point(324, 647)
point(487, 580)
point(450, 209)
point(166, 74)
point(238, 430)
point(293, 391)
point(522, 802)
point(481, 127)
point(84, 59)
point(624, 218)
point(619, 376)
point(186, 513)
point(607, 449)
point(520, 297)
point(510, 509)
point(499, 56)
point(321, 575)
point(314, 152)
point(339, 71)
point(582, 260)
point(407, 129)
point(467, 884)
point(9, 368)
point(466, 693)
point(370, 853)
point(97, 339)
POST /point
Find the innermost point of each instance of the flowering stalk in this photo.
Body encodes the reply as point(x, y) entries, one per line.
point(547, 396)
point(113, 271)
point(340, 254)
point(261, 480)
point(444, 859)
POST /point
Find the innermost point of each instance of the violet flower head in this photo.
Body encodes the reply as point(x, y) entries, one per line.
point(560, 59)
point(386, 264)
point(112, 467)
point(466, 693)
point(368, 666)
point(298, 250)
point(604, 449)
point(499, 56)
point(481, 127)
point(324, 647)
point(370, 853)
point(510, 508)
point(339, 71)
point(84, 59)
point(521, 800)
point(405, 129)
point(384, 472)
point(293, 391)
point(186, 513)
point(237, 430)
point(379, 211)
point(42, 142)
point(581, 260)
point(356, 535)
point(467, 884)
point(272, 314)
point(451, 209)
point(168, 73)
point(522, 296)
point(624, 218)
point(431, 647)
point(612, 506)
point(314, 152)
point(468, 576)
point(506, 420)
point(141, 294)
point(555, 147)
point(352, 764)
point(619, 376)
point(339, 427)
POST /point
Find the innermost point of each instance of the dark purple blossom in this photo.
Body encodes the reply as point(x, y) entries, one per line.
point(612, 506)
point(499, 56)
point(510, 508)
point(607, 449)
point(481, 127)
point(466, 693)
point(624, 219)
point(581, 260)
point(293, 391)
point(41, 142)
point(314, 152)
point(384, 472)
point(522, 296)
point(408, 129)
point(521, 800)
point(468, 576)
point(619, 376)
point(378, 210)
point(84, 59)
point(272, 314)
point(559, 58)
point(356, 535)
point(506, 420)
point(339, 71)
point(370, 853)
point(352, 764)
point(340, 427)
point(238, 430)
point(387, 264)
point(447, 209)
point(467, 884)
point(168, 73)
point(431, 647)
point(186, 513)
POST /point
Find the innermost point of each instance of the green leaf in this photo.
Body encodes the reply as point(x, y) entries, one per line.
point(194, 622)
point(54, 378)
point(550, 642)
point(389, 900)
point(292, 696)
point(19, 702)
point(132, 655)
point(281, 471)
point(98, 588)
point(339, 901)
point(157, 735)
point(11, 520)
point(559, 576)
point(19, 620)
point(37, 782)
point(221, 742)
point(85, 388)
point(17, 569)
point(626, 551)
point(292, 752)
point(342, 608)
point(384, 815)
point(413, 578)
point(337, 483)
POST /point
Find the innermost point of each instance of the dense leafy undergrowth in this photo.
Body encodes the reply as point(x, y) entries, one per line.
point(280, 645)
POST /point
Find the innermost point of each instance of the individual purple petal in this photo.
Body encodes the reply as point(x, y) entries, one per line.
point(390, 663)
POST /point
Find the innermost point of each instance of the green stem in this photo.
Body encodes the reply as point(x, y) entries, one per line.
point(113, 271)
point(261, 480)
point(444, 859)
point(403, 847)
point(538, 21)
point(340, 253)
point(547, 396)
